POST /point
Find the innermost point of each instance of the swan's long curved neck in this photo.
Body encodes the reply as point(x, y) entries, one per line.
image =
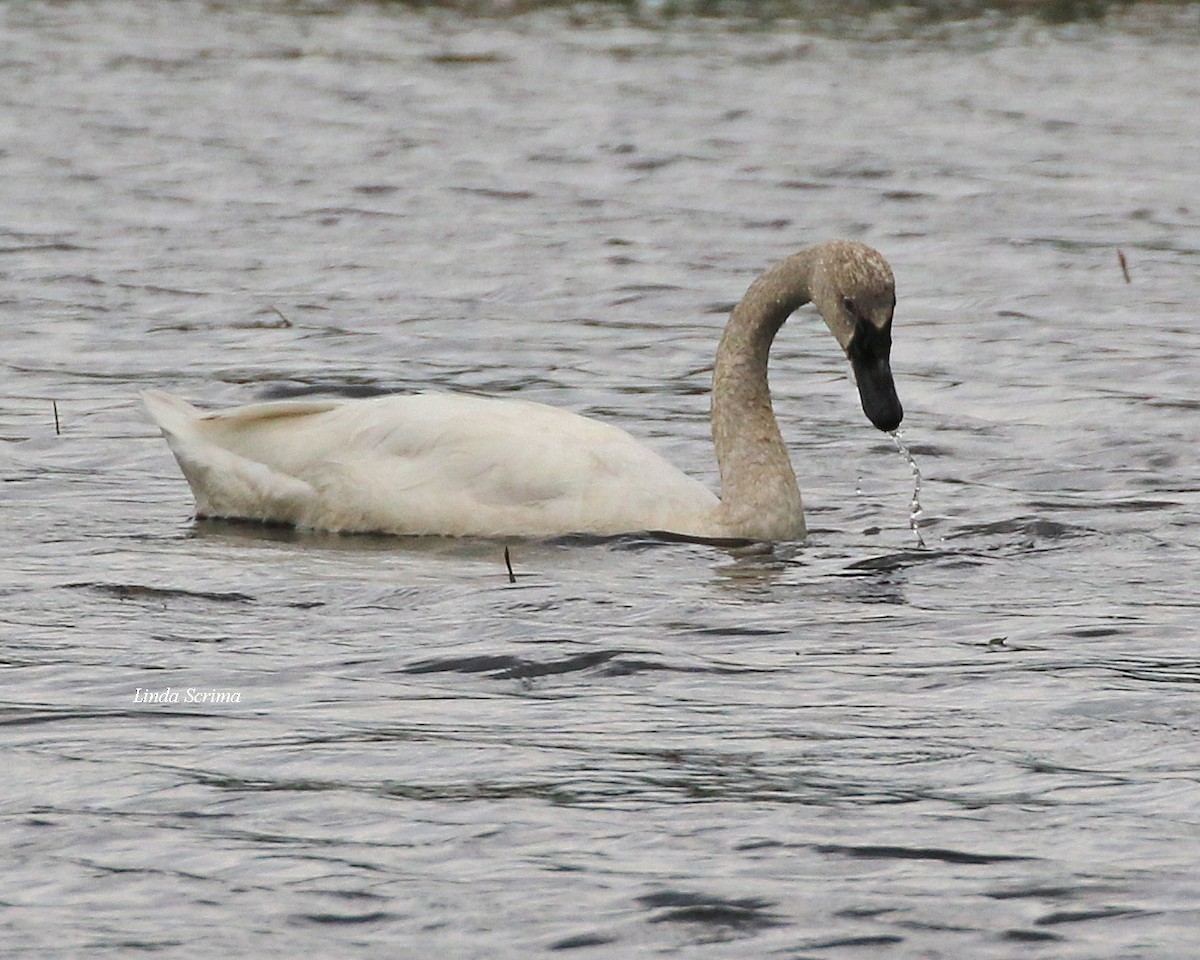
point(759, 493)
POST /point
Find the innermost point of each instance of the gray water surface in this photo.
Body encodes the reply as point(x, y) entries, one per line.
point(846, 748)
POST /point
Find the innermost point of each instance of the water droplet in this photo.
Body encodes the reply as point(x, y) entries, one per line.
point(914, 510)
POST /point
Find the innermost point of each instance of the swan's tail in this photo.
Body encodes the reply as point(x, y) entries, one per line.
point(173, 414)
point(224, 483)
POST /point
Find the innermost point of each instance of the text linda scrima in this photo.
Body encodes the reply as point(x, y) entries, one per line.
point(190, 695)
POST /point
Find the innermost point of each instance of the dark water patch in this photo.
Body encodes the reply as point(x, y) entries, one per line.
point(169, 291)
point(376, 189)
point(343, 919)
point(261, 785)
point(868, 19)
point(775, 223)
point(471, 382)
point(1021, 531)
point(650, 164)
point(1037, 892)
point(1132, 505)
point(904, 559)
point(1029, 936)
point(625, 667)
point(638, 293)
point(135, 946)
point(273, 320)
point(457, 59)
point(628, 668)
point(555, 792)
point(863, 913)
point(1062, 244)
point(854, 171)
point(331, 216)
point(725, 543)
point(237, 528)
point(57, 246)
point(740, 630)
point(134, 591)
point(871, 852)
point(804, 185)
point(933, 925)
point(157, 64)
point(354, 895)
point(1094, 776)
point(1173, 404)
point(266, 375)
point(925, 449)
point(194, 636)
point(342, 542)
point(25, 717)
point(1164, 671)
point(480, 664)
point(566, 158)
point(1085, 916)
point(348, 389)
point(1095, 632)
point(496, 193)
point(743, 914)
point(503, 667)
point(905, 195)
point(632, 542)
point(582, 940)
point(614, 663)
point(874, 940)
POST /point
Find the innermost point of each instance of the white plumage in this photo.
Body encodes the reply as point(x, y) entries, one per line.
point(447, 464)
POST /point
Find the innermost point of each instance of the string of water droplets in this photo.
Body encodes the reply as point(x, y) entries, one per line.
point(914, 509)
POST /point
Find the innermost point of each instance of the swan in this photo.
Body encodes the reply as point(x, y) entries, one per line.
point(461, 465)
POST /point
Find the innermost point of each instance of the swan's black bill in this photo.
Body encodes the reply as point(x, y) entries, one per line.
point(870, 355)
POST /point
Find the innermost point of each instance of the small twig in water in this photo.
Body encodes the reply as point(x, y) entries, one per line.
point(1124, 265)
point(279, 313)
point(512, 577)
point(57, 429)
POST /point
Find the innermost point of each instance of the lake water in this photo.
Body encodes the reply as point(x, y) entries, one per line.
point(847, 748)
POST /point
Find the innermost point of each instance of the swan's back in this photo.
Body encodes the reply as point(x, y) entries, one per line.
point(445, 464)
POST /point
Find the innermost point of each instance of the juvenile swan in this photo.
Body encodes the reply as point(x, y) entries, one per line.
point(457, 465)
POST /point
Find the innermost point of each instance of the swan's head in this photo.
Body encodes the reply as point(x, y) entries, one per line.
point(855, 292)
